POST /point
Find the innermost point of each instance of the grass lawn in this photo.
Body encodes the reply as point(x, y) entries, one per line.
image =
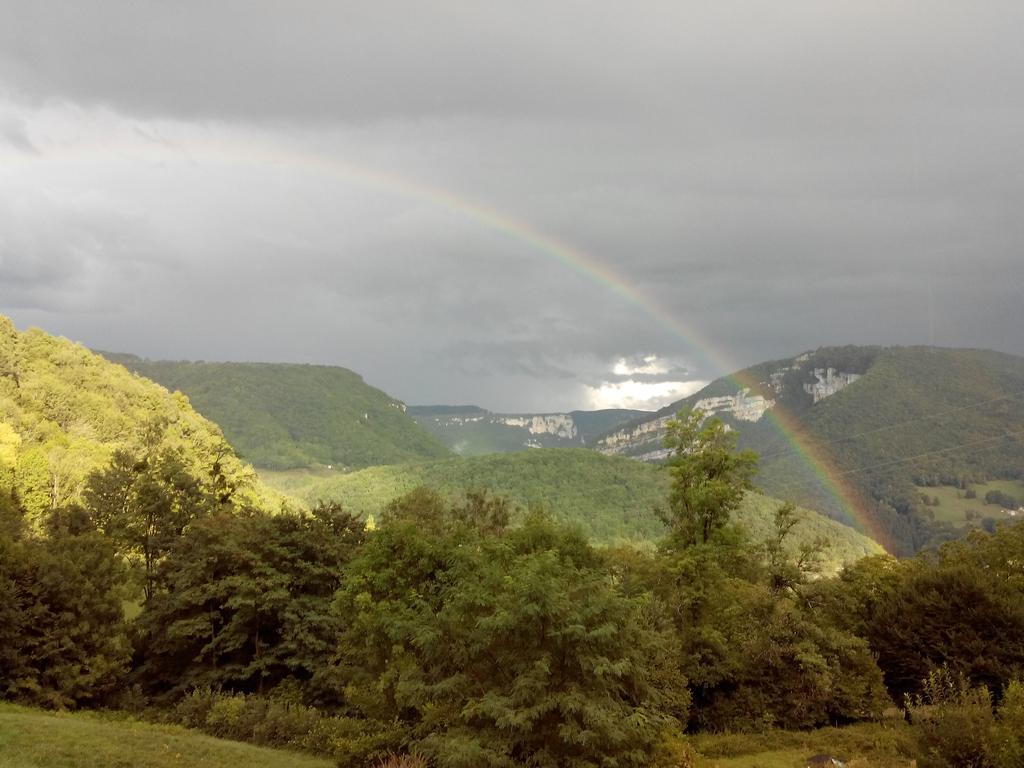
point(953, 506)
point(31, 738)
point(884, 745)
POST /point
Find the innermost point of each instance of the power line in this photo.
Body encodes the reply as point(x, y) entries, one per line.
point(897, 425)
point(907, 459)
point(936, 452)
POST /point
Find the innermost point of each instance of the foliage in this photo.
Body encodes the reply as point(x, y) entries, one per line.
point(65, 411)
point(247, 601)
point(62, 637)
point(709, 477)
point(285, 416)
point(956, 410)
point(755, 655)
point(270, 721)
point(496, 648)
point(144, 502)
point(953, 614)
point(953, 722)
point(885, 744)
point(612, 499)
point(1004, 500)
point(1007, 734)
point(961, 607)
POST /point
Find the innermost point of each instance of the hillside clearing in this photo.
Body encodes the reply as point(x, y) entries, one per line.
point(954, 507)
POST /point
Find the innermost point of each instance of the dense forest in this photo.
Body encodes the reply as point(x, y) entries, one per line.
point(64, 412)
point(611, 499)
point(918, 423)
point(916, 417)
point(285, 416)
point(458, 630)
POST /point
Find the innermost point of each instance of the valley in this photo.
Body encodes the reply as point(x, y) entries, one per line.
point(511, 385)
point(611, 499)
point(847, 431)
point(249, 601)
point(473, 431)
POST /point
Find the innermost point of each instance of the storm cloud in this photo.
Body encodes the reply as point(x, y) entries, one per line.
point(395, 187)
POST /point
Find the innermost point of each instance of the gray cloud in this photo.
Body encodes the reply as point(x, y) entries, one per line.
point(12, 131)
point(342, 182)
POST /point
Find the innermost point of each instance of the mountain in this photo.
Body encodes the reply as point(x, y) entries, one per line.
point(887, 424)
point(611, 498)
point(64, 411)
point(472, 431)
point(285, 416)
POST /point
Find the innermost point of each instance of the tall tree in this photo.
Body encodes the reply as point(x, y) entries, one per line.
point(498, 648)
point(143, 502)
point(63, 640)
point(709, 476)
point(248, 601)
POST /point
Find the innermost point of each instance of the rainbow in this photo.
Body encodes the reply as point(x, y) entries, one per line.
point(854, 506)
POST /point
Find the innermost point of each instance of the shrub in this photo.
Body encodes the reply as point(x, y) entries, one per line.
point(953, 721)
point(274, 722)
point(674, 751)
point(393, 760)
point(1008, 732)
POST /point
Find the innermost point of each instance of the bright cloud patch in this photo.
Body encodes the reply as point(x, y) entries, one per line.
point(648, 364)
point(642, 395)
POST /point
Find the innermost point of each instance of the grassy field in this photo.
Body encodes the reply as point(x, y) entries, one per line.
point(953, 506)
point(884, 745)
point(30, 738)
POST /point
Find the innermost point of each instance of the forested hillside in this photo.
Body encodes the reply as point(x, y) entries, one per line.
point(284, 416)
point(166, 588)
point(65, 411)
point(884, 421)
point(610, 498)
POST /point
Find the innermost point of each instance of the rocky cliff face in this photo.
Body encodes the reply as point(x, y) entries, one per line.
point(643, 441)
point(827, 382)
point(742, 406)
point(625, 440)
point(558, 424)
point(787, 379)
point(473, 431)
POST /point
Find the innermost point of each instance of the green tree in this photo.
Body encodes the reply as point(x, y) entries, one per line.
point(960, 607)
point(497, 648)
point(248, 601)
point(32, 486)
point(64, 640)
point(1008, 733)
point(953, 615)
point(8, 351)
point(788, 570)
point(9, 443)
point(953, 722)
point(709, 476)
point(143, 502)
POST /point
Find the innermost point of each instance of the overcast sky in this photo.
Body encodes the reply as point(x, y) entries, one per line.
point(387, 186)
